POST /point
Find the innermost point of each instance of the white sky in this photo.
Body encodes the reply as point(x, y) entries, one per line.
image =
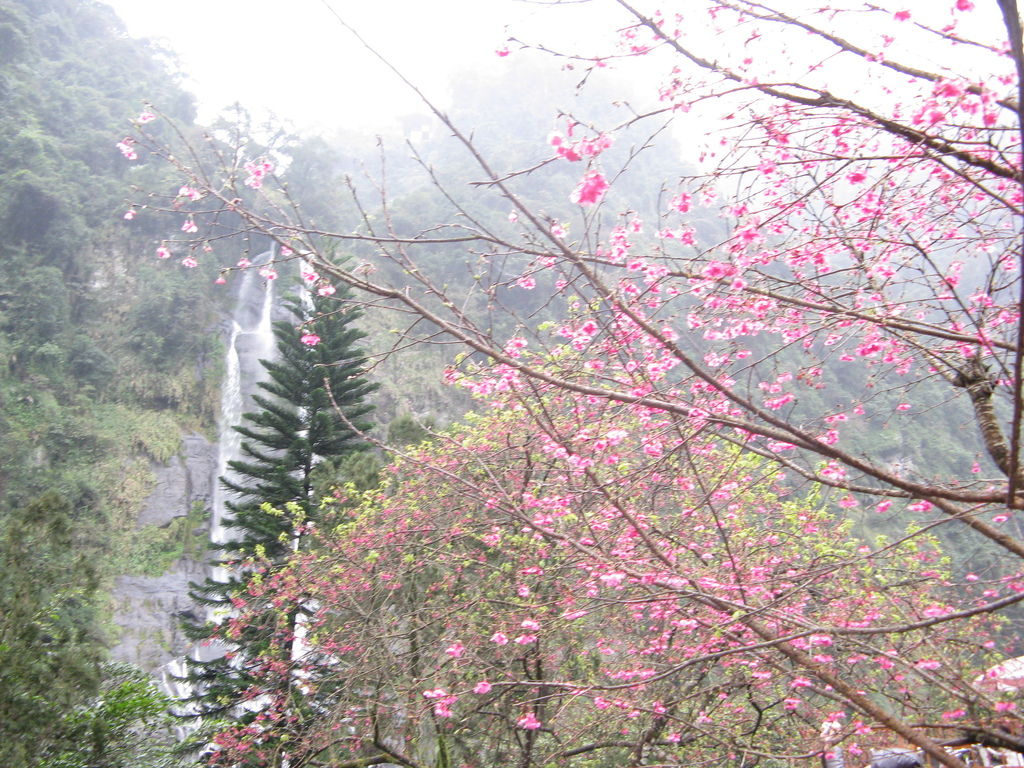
point(294, 58)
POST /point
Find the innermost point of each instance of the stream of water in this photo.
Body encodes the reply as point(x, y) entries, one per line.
point(250, 340)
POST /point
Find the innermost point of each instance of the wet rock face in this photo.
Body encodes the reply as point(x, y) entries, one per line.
point(186, 479)
point(148, 609)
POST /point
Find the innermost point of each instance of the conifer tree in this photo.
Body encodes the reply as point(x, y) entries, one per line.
point(299, 424)
point(312, 408)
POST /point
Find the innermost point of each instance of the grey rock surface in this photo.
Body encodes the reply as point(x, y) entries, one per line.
point(147, 609)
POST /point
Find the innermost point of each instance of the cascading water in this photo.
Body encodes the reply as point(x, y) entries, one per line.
point(229, 441)
point(251, 340)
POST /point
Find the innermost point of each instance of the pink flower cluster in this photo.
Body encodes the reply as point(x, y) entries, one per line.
point(442, 701)
point(591, 189)
point(258, 170)
point(574, 151)
point(127, 148)
point(528, 722)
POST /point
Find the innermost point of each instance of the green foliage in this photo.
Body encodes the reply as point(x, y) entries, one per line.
point(169, 322)
point(80, 327)
point(126, 725)
point(299, 424)
point(151, 433)
point(313, 409)
point(103, 363)
point(153, 550)
point(360, 468)
point(50, 648)
point(405, 430)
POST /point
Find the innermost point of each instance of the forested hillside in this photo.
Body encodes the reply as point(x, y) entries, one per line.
point(105, 363)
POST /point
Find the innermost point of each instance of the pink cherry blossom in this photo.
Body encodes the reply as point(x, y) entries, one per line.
point(455, 650)
point(309, 338)
point(594, 499)
point(681, 202)
point(528, 722)
point(948, 89)
point(526, 282)
point(591, 189)
point(257, 170)
point(127, 149)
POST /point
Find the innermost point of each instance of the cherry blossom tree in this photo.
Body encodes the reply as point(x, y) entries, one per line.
point(545, 585)
point(865, 162)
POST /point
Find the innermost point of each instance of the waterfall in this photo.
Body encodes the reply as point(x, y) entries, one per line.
point(229, 441)
point(250, 340)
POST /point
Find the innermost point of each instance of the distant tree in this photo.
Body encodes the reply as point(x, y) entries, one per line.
point(313, 411)
point(406, 430)
point(50, 650)
point(125, 725)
